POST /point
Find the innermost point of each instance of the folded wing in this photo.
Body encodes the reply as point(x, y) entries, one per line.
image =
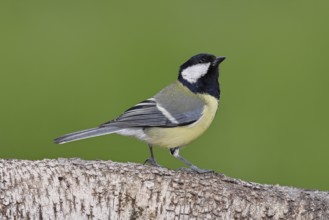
point(178, 110)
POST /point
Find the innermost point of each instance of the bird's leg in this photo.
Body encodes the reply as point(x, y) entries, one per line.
point(152, 160)
point(175, 153)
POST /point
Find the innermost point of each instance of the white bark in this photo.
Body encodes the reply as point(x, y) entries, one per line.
point(77, 189)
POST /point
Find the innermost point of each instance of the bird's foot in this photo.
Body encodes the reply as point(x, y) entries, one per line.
point(152, 162)
point(195, 169)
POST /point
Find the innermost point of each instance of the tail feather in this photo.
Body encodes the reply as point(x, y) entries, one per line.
point(88, 133)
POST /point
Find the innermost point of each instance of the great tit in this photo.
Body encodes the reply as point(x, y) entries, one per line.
point(172, 118)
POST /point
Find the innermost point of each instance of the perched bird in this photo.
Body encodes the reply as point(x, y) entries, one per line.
point(172, 118)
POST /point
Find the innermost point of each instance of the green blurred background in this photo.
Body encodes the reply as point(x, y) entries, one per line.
point(71, 65)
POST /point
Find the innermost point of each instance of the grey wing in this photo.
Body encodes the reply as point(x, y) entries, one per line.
point(150, 113)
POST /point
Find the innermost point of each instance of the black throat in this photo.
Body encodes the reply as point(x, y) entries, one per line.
point(208, 84)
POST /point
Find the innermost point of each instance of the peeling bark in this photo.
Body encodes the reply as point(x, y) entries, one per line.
point(77, 189)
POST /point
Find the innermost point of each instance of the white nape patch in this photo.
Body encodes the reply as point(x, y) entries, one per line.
point(195, 72)
point(136, 132)
point(167, 114)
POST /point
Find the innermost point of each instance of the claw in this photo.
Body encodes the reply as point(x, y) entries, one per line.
point(175, 153)
point(152, 162)
point(195, 169)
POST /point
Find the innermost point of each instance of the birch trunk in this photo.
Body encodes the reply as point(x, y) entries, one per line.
point(77, 189)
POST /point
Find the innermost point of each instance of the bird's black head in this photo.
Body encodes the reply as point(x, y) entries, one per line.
point(200, 74)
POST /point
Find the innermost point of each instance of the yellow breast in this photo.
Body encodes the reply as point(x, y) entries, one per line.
point(180, 136)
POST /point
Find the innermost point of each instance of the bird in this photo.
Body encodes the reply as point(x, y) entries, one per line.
point(172, 118)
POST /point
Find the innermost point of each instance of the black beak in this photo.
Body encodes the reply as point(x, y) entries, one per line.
point(218, 60)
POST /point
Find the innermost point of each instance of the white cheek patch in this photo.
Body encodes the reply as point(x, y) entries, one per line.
point(195, 72)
